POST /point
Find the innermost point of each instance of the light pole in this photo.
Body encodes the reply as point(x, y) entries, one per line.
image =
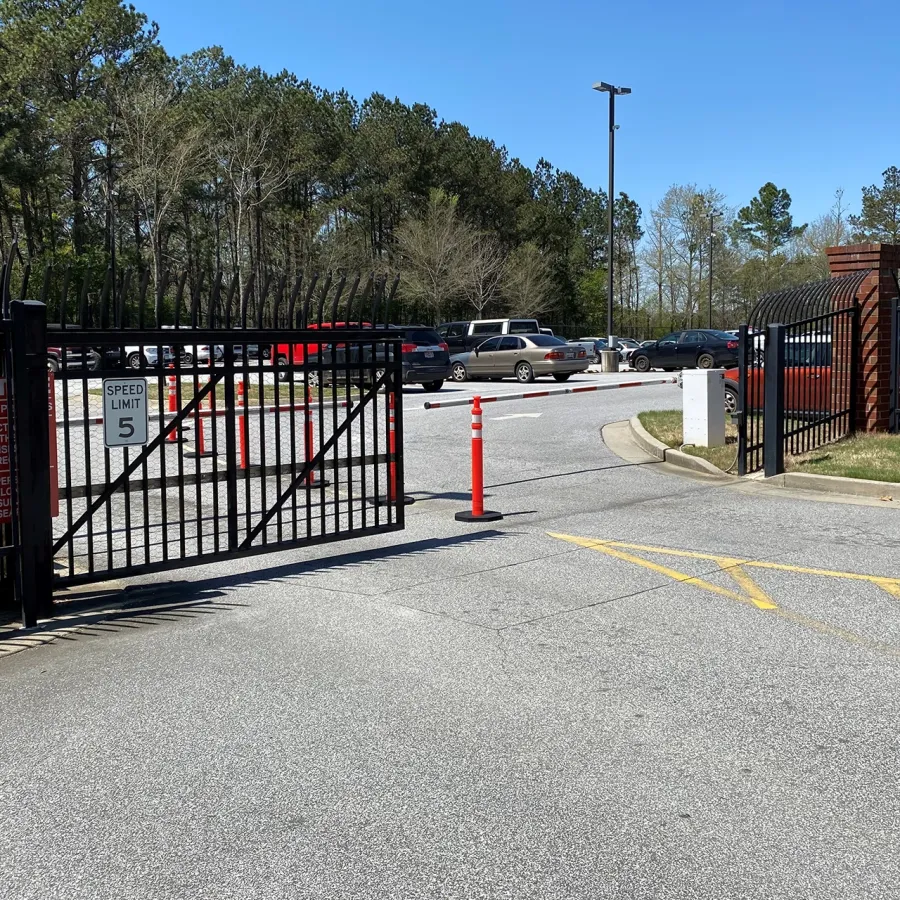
point(712, 217)
point(612, 90)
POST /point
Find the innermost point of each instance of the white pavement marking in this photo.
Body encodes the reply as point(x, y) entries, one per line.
point(517, 416)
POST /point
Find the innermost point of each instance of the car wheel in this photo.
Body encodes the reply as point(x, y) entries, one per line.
point(642, 364)
point(731, 400)
point(187, 359)
point(524, 373)
point(706, 361)
point(595, 359)
point(311, 379)
point(134, 360)
point(432, 386)
point(565, 377)
point(283, 373)
point(458, 373)
point(52, 364)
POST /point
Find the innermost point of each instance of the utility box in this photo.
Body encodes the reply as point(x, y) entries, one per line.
point(704, 407)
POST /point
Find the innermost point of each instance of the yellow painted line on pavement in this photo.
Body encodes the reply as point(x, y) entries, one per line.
point(682, 577)
point(752, 594)
point(892, 585)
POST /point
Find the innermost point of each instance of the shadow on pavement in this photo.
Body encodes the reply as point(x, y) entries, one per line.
point(104, 610)
point(569, 474)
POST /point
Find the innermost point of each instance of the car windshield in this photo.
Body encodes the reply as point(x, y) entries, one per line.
point(544, 340)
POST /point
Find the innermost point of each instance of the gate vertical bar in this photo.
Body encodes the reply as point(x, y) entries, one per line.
point(743, 351)
point(32, 443)
point(773, 422)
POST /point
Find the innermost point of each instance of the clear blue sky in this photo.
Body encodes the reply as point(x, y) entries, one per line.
point(726, 94)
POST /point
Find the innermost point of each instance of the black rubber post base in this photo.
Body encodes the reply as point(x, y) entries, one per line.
point(316, 484)
point(387, 501)
point(487, 516)
point(206, 454)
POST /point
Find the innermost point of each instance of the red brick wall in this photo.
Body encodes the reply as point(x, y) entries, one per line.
point(874, 355)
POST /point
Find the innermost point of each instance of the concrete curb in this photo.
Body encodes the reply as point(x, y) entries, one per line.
point(657, 448)
point(801, 481)
point(834, 484)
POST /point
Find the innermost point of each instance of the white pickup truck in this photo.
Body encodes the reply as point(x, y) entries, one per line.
point(463, 336)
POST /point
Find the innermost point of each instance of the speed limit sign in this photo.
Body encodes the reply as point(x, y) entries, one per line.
point(125, 412)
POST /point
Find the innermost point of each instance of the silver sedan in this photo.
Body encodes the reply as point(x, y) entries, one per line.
point(520, 356)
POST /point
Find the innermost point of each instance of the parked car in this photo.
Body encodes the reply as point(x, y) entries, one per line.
point(688, 350)
point(461, 336)
point(626, 346)
point(296, 354)
point(807, 378)
point(253, 351)
point(592, 346)
point(424, 359)
point(76, 357)
point(150, 354)
point(523, 356)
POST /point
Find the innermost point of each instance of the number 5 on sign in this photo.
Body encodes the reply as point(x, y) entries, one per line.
point(125, 412)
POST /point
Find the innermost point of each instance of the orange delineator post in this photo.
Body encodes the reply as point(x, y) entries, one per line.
point(310, 438)
point(392, 496)
point(478, 512)
point(173, 405)
point(200, 451)
point(242, 423)
point(392, 449)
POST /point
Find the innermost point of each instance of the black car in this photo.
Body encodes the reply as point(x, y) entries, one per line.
point(706, 349)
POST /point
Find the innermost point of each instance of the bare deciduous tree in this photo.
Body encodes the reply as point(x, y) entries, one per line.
point(484, 272)
point(436, 252)
point(164, 150)
point(526, 282)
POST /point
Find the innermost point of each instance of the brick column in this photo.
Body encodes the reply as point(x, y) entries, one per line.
point(873, 362)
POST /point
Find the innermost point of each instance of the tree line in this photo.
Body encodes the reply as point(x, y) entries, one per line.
point(113, 150)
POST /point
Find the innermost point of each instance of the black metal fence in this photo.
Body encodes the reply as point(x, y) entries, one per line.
point(186, 425)
point(797, 388)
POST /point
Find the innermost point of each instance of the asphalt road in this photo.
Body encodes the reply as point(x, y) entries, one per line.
point(637, 685)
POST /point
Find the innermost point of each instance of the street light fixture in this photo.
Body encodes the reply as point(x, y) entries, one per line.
point(612, 90)
point(714, 214)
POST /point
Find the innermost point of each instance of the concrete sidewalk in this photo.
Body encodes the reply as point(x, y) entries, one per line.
point(536, 709)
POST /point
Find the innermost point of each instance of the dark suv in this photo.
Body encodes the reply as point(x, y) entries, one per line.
point(425, 357)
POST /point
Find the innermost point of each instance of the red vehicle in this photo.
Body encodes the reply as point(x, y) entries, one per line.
point(282, 354)
point(807, 379)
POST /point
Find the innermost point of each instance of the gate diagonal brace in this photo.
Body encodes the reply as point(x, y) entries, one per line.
point(120, 480)
point(313, 463)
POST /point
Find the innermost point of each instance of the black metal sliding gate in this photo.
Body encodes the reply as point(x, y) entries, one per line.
point(798, 385)
point(196, 424)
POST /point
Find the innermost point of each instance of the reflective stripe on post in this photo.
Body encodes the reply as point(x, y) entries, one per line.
point(392, 495)
point(478, 512)
point(173, 405)
point(242, 423)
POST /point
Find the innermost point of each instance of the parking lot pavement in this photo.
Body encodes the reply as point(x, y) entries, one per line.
point(637, 685)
